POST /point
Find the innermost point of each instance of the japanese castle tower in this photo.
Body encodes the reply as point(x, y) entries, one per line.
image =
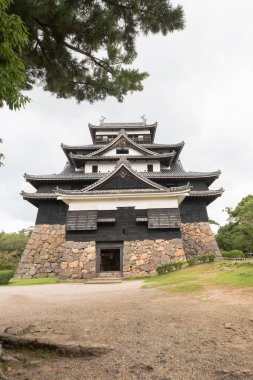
point(123, 204)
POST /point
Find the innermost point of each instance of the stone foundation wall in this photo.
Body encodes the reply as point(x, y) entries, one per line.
point(199, 240)
point(142, 257)
point(43, 252)
point(78, 260)
point(47, 254)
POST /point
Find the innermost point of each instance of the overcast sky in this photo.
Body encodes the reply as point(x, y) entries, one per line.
point(199, 90)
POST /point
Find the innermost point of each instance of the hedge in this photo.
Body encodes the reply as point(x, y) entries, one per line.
point(171, 267)
point(5, 276)
point(233, 254)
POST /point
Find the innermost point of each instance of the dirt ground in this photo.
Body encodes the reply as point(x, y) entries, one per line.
point(153, 334)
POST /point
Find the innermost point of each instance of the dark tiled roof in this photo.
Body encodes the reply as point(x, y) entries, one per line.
point(132, 157)
point(118, 126)
point(206, 193)
point(126, 191)
point(69, 173)
point(198, 193)
point(123, 163)
point(90, 146)
point(147, 146)
point(38, 195)
point(123, 125)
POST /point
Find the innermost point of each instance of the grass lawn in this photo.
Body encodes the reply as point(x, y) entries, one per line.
point(33, 281)
point(192, 279)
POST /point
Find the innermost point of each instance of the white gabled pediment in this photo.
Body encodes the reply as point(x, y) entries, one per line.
point(120, 142)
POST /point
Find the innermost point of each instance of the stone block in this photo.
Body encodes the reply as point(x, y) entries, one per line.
point(73, 264)
point(165, 259)
point(64, 265)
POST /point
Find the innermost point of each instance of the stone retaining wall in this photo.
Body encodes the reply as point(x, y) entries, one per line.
point(43, 252)
point(47, 254)
point(142, 257)
point(78, 260)
point(199, 240)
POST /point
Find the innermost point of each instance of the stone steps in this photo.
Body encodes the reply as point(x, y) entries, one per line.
point(109, 274)
point(105, 280)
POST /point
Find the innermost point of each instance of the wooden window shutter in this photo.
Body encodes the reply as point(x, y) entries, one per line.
point(81, 220)
point(163, 218)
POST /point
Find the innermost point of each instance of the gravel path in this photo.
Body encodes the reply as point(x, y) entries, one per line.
point(154, 335)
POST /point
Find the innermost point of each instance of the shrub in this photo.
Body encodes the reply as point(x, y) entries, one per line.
point(10, 242)
point(233, 254)
point(178, 265)
point(192, 261)
point(203, 258)
point(5, 276)
point(8, 260)
point(170, 267)
point(165, 268)
point(207, 258)
point(211, 257)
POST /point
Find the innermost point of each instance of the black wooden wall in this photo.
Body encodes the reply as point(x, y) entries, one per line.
point(52, 212)
point(193, 211)
point(125, 228)
point(55, 212)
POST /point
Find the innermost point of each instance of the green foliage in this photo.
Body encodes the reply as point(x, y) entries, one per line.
point(211, 221)
point(211, 257)
point(178, 265)
point(203, 259)
point(192, 261)
point(233, 254)
point(12, 246)
point(5, 276)
point(13, 38)
point(13, 242)
point(238, 232)
point(82, 48)
point(8, 260)
point(206, 258)
point(226, 236)
point(170, 267)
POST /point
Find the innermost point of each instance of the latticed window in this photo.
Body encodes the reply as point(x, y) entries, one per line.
point(81, 220)
point(163, 218)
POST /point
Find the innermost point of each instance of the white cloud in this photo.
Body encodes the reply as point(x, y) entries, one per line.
point(199, 91)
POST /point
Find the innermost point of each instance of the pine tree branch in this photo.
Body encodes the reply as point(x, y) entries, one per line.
point(97, 61)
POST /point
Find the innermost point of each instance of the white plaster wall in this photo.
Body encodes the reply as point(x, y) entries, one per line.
point(103, 167)
point(108, 166)
point(112, 204)
point(141, 166)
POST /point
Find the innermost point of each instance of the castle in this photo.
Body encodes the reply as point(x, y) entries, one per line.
point(123, 204)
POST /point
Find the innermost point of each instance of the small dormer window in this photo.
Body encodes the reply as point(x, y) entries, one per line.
point(141, 137)
point(122, 151)
point(94, 168)
point(104, 138)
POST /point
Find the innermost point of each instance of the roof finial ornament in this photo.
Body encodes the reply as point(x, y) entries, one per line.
point(143, 117)
point(102, 120)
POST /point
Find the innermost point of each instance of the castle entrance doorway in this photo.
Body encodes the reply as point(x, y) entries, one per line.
point(109, 257)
